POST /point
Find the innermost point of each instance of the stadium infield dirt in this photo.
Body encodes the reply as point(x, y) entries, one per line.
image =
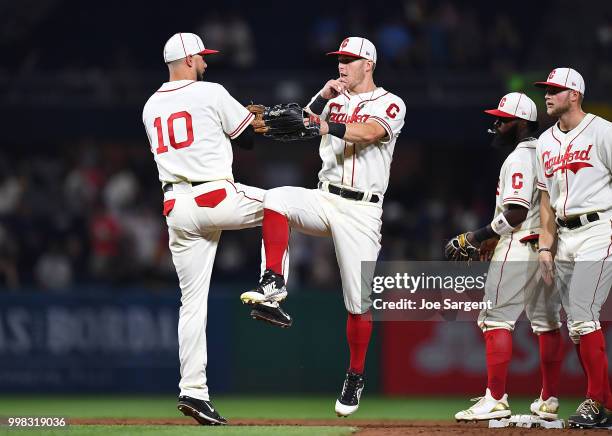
point(364, 427)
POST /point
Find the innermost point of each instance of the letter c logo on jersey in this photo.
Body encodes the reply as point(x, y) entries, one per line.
point(517, 180)
point(393, 110)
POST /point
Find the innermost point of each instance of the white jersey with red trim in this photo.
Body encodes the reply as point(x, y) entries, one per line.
point(189, 125)
point(364, 167)
point(517, 184)
point(576, 167)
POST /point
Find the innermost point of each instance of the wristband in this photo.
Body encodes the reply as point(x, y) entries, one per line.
point(317, 106)
point(544, 249)
point(337, 129)
point(500, 225)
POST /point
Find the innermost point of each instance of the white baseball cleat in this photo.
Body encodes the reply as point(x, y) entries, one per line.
point(486, 408)
point(548, 409)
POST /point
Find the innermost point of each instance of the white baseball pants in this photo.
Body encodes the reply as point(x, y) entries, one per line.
point(353, 225)
point(583, 272)
point(195, 217)
point(514, 284)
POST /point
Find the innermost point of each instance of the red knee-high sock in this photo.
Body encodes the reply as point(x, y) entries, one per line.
point(595, 360)
point(607, 393)
point(551, 356)
point(275, 229)
point(498, 344)
point(577, 346)
point(358, 333)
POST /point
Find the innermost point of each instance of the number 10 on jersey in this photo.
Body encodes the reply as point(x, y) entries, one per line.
point(161, 147)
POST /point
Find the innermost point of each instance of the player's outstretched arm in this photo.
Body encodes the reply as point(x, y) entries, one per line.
point(358, 133)
point(547, 238)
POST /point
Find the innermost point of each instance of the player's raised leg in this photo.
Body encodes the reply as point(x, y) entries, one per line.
point(284, 207)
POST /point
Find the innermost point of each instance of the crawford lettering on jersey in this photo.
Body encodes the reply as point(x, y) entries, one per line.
point(344, 118)
point(570, 160)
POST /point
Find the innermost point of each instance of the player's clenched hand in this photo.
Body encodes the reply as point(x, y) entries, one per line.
point(333, 88)
point(547, 267)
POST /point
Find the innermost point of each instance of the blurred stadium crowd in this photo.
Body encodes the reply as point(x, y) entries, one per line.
point(89, 213)
point(415, 34)
point(78, 210)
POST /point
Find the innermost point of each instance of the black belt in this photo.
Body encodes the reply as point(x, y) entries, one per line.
point(349, 193)
point(168, 186)
point(574, 223)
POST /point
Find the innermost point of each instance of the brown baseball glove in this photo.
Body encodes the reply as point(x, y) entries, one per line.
point(259, 125)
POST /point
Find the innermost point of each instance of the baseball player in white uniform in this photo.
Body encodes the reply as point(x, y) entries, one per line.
point(360, 123)
point(191, 126)
point(574, 161)
point(513, 283)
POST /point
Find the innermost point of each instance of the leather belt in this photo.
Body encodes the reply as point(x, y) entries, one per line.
point(348, 193)
point(574, 223)
point(168, 186)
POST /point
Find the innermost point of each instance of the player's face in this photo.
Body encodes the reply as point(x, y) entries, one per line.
point(200, 66)
point(506, 132)
point(557, 101)
point(352, 70)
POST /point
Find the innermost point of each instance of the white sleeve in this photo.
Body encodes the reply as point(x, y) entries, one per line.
point(540, 178)
point(234, 117)
point(518, 184)
point(605, 150)
point(390, 115)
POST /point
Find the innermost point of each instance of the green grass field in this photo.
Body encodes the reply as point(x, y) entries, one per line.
point(242, 407)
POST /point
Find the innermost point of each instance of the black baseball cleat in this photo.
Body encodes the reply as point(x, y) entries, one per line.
point(271, 313)
point(265, 299)
point(589, 414)
point(606, 423)
point(348, 401)
point(200, 410)
point(271, 288)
